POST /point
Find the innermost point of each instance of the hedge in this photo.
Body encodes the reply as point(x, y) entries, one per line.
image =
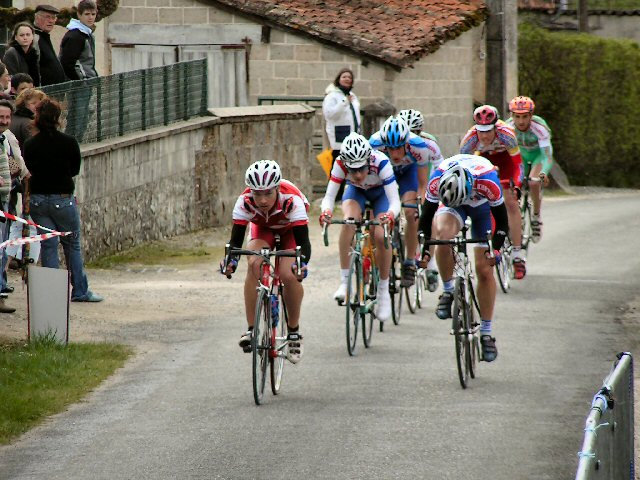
point(588, 90)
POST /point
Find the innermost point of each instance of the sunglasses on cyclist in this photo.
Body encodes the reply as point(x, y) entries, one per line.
point(359, 169)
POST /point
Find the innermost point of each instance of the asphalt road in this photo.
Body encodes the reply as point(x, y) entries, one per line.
point(184, 408)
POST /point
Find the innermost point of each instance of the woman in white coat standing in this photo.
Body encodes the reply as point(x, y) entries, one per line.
point(341, 110)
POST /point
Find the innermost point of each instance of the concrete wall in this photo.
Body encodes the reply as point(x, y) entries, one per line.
point(186, 176)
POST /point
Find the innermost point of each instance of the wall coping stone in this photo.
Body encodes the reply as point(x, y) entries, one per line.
point(220, 115)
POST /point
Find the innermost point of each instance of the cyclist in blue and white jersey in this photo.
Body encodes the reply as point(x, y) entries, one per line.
point(467, 186)
point(369, 177)
point(410, 156)
point(415, 121)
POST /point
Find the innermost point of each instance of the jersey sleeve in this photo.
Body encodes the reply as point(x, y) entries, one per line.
point(386, 172)
point(376, 142)
point(419, 150)
point(243, 211)
point(488, 186)
point(542, 133)
point(469, 143)
point(297, 211)
point(432, 186)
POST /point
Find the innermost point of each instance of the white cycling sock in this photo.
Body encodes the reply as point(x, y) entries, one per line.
point(383, 285)
point(517, 253)
point(344, 275)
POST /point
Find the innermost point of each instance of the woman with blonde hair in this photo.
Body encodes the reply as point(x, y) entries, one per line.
point(22, 120)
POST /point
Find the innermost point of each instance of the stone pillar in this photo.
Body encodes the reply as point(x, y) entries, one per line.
point(373, 115)
point(502, 53)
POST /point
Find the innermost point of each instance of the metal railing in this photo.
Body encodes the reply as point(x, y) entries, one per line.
point(114, 105)
point(608, 446)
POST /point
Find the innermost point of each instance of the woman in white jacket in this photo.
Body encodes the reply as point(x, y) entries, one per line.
point(341, 110)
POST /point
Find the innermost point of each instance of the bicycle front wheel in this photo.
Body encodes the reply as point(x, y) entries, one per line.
point(473, 321)
point(353, 300)
point(526, 224)
point(458, 325)
point(503, 269)
point(395, 277)
point(370, 296)
point(261, 344)
point(279, 341)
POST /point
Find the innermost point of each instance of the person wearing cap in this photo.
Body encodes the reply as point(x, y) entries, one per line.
point(51, 71)
point(496, 141)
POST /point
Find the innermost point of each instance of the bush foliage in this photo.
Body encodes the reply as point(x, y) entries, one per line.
point(588, 90)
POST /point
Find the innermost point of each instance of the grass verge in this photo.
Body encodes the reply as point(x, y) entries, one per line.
point(41, 378)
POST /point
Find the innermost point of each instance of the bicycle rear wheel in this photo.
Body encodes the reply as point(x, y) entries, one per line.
point(421, 284)
point(370, 295)
point(355, 294)
point(395, 277)
point(279, 341)
point(261, 344)
point(503, 269)
point(458, 324)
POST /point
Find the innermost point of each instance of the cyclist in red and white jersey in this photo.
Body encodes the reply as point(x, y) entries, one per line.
point(369, 176)
point(496, 141)
point(271, 205)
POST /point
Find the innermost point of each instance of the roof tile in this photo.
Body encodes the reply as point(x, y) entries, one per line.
point(398, 32)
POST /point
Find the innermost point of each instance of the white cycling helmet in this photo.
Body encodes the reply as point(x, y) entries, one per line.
point(355, 151)
point(394, 132)
point(455, 185)
point(413, 118)
point(263, 175)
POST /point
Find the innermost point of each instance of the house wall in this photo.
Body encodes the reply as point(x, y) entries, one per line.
point(443, 85)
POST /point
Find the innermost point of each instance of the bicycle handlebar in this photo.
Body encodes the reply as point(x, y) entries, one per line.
point(266, 254)
point(356, 223)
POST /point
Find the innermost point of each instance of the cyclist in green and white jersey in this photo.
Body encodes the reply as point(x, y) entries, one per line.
point(534, 140)
point(415, 121)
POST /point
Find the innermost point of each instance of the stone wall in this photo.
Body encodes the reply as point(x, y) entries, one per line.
point(186, 176)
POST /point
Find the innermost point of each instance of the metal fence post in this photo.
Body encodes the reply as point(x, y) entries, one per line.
point(121, 104)
point(98, 111)
point(143, 113)
point(185, 91)
point(165, 93)
point(204, 102)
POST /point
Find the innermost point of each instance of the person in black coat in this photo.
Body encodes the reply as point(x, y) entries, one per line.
point(21, 56)
point(51, 70)
point(53, 158)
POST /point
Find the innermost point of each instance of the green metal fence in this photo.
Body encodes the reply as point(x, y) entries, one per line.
point(115, 105)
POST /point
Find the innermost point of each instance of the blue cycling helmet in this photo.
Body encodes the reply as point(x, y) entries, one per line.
point(394, 132)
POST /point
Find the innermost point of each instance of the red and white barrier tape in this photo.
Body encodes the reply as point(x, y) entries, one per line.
point(24, 220)
point(35, 238)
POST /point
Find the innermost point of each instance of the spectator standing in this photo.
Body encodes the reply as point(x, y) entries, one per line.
point(341, 110)
point(51, 71)
point(5, 82)
point(77, 56)
point(6, 110)
point(21, 55)
point(19, 83)
point(53, 158)
point(22, 128)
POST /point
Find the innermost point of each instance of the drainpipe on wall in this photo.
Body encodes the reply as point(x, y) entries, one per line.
point(502, 54)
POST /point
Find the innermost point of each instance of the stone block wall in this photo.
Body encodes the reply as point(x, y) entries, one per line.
point(184, 177)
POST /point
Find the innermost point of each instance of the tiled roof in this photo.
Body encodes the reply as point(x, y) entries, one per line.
point(398, 32)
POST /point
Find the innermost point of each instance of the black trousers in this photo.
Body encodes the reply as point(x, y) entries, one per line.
point(334, 154)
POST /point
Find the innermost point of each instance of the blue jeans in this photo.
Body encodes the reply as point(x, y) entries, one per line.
point(78, 110)
point(60, 212)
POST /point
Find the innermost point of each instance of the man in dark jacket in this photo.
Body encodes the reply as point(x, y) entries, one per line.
point(78, 58)
point(51, 70)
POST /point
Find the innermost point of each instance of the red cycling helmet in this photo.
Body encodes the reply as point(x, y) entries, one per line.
point(485, 117)
point(522, 104)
